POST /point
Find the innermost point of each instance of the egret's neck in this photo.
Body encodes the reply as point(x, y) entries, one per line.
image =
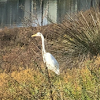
point(43, 46)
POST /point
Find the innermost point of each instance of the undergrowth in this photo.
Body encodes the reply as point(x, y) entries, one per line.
point(73, 43)
point(29, 84)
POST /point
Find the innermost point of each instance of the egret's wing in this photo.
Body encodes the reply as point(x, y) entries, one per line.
point(51, 62)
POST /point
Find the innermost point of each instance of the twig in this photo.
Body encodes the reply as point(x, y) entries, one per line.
point(49, 81)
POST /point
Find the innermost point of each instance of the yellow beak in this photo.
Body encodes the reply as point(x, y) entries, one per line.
point(33, 35)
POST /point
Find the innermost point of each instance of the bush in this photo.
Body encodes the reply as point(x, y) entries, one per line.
point(81, 33)
point(76, 84)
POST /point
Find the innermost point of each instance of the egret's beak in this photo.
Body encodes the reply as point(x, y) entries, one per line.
point(34, 35)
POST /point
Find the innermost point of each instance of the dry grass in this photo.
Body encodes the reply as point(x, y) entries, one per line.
point(22, 72)
point(75, 84)
point(80, 33)
point(17, 48)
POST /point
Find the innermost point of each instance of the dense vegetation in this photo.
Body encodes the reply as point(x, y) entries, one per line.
point(75, 43)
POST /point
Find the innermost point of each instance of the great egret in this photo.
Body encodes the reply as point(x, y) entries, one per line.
point(48, 58)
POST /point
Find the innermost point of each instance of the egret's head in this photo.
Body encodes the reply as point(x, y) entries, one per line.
point(37, 34)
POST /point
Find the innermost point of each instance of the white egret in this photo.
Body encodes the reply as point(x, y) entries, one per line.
point(51, 62)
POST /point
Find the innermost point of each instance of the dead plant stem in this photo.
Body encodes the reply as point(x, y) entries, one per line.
point(49, 81)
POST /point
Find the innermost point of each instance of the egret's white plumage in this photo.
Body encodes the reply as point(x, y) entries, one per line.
point(48, 58)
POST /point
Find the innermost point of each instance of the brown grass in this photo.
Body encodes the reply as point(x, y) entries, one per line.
point(17, 48)
point(22, 72)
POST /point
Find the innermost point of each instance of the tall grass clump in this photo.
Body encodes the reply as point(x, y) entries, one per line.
point(80, 34)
